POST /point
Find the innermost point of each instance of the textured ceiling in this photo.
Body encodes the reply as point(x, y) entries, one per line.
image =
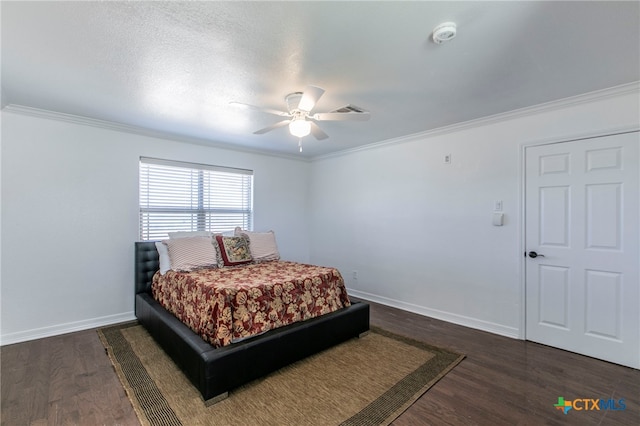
point(174, 67)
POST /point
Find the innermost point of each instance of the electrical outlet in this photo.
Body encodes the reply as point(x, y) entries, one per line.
point(355, 275)
point(447, 159)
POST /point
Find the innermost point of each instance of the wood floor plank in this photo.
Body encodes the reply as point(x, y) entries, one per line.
point(62, 380)
point(69, 380)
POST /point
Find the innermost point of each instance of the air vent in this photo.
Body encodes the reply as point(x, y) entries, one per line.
point(350, 109)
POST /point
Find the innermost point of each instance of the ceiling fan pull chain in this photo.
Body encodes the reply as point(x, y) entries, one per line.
point(300, 144)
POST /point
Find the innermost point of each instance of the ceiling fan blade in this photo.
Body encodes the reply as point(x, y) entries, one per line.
point(341, 116)
point(317, 132)
point(273, 126)
point(267, 110)
point(309, 98)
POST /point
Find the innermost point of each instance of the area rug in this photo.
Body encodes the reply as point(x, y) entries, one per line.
point(369, 380)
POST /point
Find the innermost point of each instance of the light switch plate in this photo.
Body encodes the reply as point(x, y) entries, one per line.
point(498, 219)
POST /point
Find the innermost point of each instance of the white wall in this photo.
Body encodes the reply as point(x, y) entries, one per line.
point(70, 217)
point(418, 231)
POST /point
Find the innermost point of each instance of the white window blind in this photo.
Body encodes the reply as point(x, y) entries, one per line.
point(176, 196)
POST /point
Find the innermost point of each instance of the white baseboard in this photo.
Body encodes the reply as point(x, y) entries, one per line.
point(70, 327)
point(39, 333)
point(465, 321)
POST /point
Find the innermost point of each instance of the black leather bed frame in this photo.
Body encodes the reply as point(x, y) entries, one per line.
point(216, 371)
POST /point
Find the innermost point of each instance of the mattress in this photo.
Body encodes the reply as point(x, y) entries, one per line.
point(226, 305)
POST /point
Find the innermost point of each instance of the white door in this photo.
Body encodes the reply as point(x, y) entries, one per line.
point(581, 219)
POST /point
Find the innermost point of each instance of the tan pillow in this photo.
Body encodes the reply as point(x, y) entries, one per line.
point(262, 245)
point(187, 254)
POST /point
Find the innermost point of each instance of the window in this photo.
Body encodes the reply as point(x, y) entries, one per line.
point(177, 196)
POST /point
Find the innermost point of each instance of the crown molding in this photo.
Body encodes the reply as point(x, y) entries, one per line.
point(119, 127)
point(621, 90)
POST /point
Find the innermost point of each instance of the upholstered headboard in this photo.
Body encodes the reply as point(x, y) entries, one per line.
point(146, 264)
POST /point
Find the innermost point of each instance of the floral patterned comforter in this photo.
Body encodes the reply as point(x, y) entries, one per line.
point(224, 305)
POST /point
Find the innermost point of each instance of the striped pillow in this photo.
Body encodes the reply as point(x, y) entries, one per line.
point(262, 245)
point(187, 254)
point(186, 234)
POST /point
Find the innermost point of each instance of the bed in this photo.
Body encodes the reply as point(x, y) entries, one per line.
point(215, 371)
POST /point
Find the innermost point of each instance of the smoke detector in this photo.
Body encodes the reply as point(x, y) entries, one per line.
point(444, 32)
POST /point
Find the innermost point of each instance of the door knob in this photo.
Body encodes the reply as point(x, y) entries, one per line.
point(533, 254)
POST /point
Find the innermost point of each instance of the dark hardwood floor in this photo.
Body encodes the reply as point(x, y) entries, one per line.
point(68, 380)
point(503, 381)
point(62, 380)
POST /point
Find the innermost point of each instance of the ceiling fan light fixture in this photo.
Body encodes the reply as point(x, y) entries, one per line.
point(300, 127)
point(299, 118)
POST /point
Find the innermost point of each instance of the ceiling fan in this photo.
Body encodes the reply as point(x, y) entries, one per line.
point(300, 119)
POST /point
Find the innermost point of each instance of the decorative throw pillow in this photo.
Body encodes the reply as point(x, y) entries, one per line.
point(262, 245)
point(233, 250)
point(187, 254)
point(163, 257)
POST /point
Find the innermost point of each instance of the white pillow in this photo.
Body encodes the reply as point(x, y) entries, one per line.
point(163, 255)
point(188, 234)
point(262, 245)
point(189, 253)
